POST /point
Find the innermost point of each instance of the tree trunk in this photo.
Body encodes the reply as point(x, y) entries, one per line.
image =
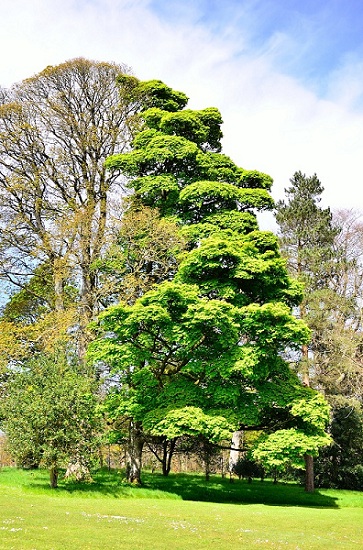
point(86, 309)
point(309, 460)
point(304, 366)
point(58, 286)
point(274, 476)
point(78, 471)
point(309, 473)
point(207, 468)
point(134, 453)
point(168, 451)
point(53, 476)
point(88, 222)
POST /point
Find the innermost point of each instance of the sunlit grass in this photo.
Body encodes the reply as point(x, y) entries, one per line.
point(170, 513)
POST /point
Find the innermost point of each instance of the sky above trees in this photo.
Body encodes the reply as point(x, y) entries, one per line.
point(286, 75)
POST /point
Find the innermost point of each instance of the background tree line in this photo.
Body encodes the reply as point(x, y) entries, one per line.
point(324, 250)
point(126, 231)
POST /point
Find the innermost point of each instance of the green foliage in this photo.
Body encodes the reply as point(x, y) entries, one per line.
point(202, 355)
point(241, 270)
point(224, 223)
point(203, 198)
point(340, 464)
point(34, 300)
point(255, 180)
point(273, 327)
point(14, 344)
point(151, 94)
point(307, 231)
point(48, 409)
point(188, 421)
point(156, 94)
point(37, 297)
point(168, 329)
point(288, 447)
point(245, 468)
point(217, 167)
point(160, 151)
point(200, 127)
point(313, 410)
point(159, 192)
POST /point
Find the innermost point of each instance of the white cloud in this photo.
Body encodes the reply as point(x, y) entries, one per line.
point(273, 122)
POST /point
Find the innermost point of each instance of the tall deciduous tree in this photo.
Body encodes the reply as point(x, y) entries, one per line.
point(56, 130)
point(201, 354)
point(335, 317)
point(144, 252)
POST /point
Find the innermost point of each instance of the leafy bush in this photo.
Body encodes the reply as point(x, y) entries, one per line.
point(249, 469)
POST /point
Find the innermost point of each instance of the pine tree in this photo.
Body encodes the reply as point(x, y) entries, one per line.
point(307, 231)
point(307, 236)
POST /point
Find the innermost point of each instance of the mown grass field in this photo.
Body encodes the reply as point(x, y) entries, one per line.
point(181, 512)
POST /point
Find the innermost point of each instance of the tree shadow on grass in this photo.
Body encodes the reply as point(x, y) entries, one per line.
point(103, 483)
point(187, 487)
point(221, 490)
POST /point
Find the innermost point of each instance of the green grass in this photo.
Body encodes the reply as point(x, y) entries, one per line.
point(181, 512)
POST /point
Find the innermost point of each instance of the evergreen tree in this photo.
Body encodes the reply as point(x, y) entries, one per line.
point(335, 319)
point(323, 254)
point(307, 238)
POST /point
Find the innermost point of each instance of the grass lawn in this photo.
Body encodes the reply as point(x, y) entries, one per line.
point(181, 512)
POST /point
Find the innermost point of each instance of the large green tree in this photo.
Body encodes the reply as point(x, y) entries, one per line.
point(202, 354)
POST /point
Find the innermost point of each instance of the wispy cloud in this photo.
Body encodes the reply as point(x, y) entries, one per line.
point(286, 75)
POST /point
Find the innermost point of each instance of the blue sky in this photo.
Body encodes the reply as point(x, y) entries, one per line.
point(308, 38)
point(287, 75)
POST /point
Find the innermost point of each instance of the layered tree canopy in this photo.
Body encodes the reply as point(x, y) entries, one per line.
point(204, 352)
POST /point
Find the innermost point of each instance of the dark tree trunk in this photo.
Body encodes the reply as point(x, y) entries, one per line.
point(309, 460)
point(53, 477)
point(274, 476)
point(58, 281)
point(309, 473)
point(168, 451)
point(207, 469)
